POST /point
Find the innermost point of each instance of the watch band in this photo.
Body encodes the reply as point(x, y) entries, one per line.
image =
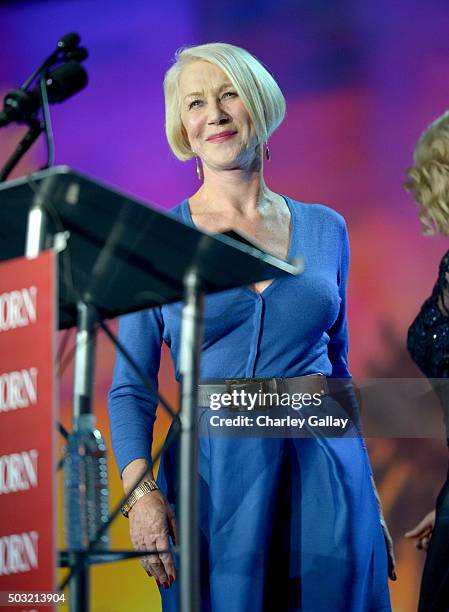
point(145, 487)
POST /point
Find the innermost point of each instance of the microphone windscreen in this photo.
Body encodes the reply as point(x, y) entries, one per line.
point(69, 41)
point(79, 54)
point(4, 119)
point(66, 81)
point(20, 104)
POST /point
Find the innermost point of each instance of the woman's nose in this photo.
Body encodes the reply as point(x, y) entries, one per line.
point(217, 116)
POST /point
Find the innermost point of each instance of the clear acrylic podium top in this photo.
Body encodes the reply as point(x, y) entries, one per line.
point(121, 254)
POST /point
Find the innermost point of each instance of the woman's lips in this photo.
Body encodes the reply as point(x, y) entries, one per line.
point(221, 136)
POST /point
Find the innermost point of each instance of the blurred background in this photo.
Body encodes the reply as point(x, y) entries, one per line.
point(362, 80)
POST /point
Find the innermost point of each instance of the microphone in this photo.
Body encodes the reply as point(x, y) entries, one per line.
point(53, 84)
point(68, 42)
point(78, 54)
point(62, 83)
point(65, 82)
point(66, 49)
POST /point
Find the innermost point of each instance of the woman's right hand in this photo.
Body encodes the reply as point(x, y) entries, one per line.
point(151, 523)
point(422, 533)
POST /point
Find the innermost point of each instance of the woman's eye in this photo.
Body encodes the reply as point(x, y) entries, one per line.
point(229, 94)
point(194, 103)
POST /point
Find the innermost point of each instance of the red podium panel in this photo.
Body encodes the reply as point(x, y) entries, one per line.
point(27, 426)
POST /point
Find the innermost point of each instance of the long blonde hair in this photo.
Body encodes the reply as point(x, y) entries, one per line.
point(428, 179)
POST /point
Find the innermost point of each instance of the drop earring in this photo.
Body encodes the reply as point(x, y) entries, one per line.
point(267, 151)
point(199, 170)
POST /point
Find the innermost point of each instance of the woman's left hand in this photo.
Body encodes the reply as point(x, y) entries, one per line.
point(390, 549)
point(387, 536)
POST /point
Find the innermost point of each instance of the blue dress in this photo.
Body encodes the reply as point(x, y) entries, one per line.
point(287, 524)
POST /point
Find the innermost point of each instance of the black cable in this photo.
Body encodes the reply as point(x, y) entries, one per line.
point(146, 381)
point(65, 434)
point(63, 344)
point(63, 431)
point(47, 122)
point(69, 358)
point(110, 556)
point(67, 361)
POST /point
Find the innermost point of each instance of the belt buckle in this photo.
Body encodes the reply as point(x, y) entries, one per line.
point(251, 386)
point(261, 384)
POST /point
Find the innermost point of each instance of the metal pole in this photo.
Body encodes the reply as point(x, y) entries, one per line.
point(36, 129)
point(84, 364)
point(38, 220)
point(79, 586)
point(36, 235)
point(191, 337)
point(36, 232)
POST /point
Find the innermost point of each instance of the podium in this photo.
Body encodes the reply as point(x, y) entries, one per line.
point(117, 255)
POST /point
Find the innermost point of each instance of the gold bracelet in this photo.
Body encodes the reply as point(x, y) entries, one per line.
point(145, 487)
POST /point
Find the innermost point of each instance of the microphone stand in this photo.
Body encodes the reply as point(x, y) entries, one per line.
point(36, 128)
point(37, 215)
point(66, 50)
point(47, 121)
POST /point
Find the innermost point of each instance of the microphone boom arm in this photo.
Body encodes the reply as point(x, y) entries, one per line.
point(35, 130)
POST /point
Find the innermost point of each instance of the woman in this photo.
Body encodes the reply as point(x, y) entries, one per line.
point(428, 343)
point(286, 523)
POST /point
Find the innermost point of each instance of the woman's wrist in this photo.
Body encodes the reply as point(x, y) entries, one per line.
point(136, 472)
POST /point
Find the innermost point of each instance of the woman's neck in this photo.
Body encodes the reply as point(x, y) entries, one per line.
point(241, 191)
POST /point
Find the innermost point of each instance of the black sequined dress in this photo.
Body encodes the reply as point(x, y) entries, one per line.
point(428, 344)
point(428, 336)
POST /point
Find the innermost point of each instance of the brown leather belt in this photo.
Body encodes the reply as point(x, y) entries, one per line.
point(314, 383)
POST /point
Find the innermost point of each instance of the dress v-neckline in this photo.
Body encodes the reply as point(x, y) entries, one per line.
point(188, 215)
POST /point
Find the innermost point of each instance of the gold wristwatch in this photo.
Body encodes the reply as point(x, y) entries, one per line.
point(145, 487)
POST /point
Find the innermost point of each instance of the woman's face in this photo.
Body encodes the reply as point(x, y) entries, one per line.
point(216, 122)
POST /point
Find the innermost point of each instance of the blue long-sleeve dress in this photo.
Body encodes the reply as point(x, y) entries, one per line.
point(287, 524)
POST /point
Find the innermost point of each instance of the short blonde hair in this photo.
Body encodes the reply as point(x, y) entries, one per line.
point(256, 87)
point(429, 177)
